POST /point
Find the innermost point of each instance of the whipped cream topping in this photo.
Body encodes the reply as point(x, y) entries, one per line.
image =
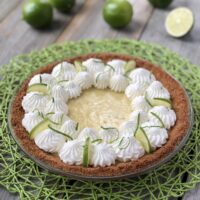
point(42, 78)
point(70, 128)
point(94, 65)
point(84, 80)
point(142, 76)
point(72, 152)
point(101, 80)
point(128, 148)
point(102, 155)
point(56, 105)
point(162, 115)
point(128, 128)
point(115, 66)
point(64, 71)
point(157, 136)
point(108, 134)
point(136, 89)
point(49, 141)
point(140, 103)
point(59, 92)
point(118, 83)
point(157, 90)
point(34, 101)
point(72, 88)
point(30, 120)
point(88, 132)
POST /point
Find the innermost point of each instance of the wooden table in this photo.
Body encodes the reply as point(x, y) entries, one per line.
point(16, 37)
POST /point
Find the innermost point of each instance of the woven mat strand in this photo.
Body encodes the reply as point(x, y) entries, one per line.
point(19, 174)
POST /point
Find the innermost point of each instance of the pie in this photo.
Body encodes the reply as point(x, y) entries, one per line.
point(101, 115)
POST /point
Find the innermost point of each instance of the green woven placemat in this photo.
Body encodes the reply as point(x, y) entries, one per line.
point(19, 174)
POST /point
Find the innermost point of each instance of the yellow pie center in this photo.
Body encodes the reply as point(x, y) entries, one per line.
point(95, 108)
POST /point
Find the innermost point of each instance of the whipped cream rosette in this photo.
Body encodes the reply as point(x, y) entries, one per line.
point(46, 109)
point(50, 141)
point(157, 90)
point(64, 71)
point(142, 76)
point(102, 80)
point(71, 152)
point(93, 65)
point(115, 66)
point(34, 101)
point(128, 148)
point(84, 79)
point(102, 154)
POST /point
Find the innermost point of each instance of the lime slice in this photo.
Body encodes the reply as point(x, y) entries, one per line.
point(39, 128)
point(38, 87)
point(143, 139)
point(86, 152)
point(179, 22)
point(79, 66)
point(130, 65)
point(161, 102)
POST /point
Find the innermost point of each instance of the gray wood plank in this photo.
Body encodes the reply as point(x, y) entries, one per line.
point(5, 195)
point(6, 7)
point(193, 194)
point(188, 46)
point(89, 23)
point(17, 37)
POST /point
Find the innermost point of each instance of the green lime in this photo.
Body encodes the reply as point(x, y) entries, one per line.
point(37, 13)
point(179, 22)
point(63, 5)
point(117, 13)
point(160, 3)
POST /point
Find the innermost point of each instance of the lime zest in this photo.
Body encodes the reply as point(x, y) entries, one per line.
point(40, 79)
point(60, 132)
point(138, 124)
point(77, 126)
point(99, 140)
point(147, 100)
point(159, 119)
point(125, 145)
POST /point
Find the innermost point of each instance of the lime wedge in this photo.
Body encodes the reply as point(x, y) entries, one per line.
point(86, 152)
point(161, 102)
point(130, 65)
point(39, 128)
point(143, 139)
point(79, 66)
point(179, 22)
point(38, 87)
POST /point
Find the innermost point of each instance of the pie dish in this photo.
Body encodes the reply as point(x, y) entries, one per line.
point(160, 92)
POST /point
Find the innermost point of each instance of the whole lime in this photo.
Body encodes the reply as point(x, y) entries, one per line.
point(117, 13)
point(37, 13)
point(160, 3)
point(63, 5)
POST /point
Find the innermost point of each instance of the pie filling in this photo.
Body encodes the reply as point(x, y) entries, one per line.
point(94, 113)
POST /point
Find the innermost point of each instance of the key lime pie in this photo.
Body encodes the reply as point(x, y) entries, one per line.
point(100, 114)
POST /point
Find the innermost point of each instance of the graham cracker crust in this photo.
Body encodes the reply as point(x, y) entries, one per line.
point(176, 134)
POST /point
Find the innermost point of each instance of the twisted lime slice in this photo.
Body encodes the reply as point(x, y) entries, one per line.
point(179, 22)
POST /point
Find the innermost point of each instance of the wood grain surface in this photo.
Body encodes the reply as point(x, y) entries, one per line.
point(16, 37)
